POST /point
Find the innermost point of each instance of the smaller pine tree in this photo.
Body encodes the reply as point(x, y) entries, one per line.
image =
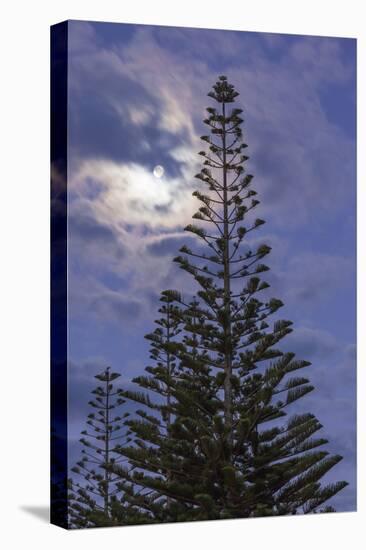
point(149, 455)
point(95, 499)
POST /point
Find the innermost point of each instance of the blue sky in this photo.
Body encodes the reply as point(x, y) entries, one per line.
point(137, 97)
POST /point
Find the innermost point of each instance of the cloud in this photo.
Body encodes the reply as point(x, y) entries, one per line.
point(92, 233)
point(131, 194)
point(313, 276)
point(321, 60)
point(312, 344)
point(309, 280)
point(351, 351)
point(168, 245)
point(112, 306)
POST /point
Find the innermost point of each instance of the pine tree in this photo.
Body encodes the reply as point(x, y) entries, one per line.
point(271, 471)
point(148, 432)
point(96, 499)
point(227, 450)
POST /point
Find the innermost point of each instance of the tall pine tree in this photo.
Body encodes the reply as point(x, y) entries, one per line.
point(225, 449)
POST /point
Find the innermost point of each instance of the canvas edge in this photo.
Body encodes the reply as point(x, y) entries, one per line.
point(58, 275)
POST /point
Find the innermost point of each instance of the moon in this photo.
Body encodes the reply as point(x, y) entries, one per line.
point(158, 171)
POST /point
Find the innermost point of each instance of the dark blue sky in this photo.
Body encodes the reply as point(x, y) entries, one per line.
point(137, 96)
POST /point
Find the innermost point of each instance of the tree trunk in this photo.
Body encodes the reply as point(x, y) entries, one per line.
point(106, 473)
point(227, 323)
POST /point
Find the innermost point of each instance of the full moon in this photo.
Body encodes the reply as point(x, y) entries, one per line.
point(158, 171)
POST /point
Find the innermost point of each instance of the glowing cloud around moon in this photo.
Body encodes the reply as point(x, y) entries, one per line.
point(158, 171)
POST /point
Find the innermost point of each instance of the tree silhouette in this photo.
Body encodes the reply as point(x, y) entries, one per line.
point(227, 450)
point(94, 497)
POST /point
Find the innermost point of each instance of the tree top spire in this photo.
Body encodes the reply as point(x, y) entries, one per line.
point(223, 91)
point(107, 375)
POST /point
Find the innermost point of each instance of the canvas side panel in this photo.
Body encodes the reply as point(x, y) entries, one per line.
point(59, 274)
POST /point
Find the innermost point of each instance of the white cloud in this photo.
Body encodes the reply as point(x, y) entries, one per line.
point(130, 194)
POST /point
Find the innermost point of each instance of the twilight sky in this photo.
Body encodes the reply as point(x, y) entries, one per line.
point(137, 97)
